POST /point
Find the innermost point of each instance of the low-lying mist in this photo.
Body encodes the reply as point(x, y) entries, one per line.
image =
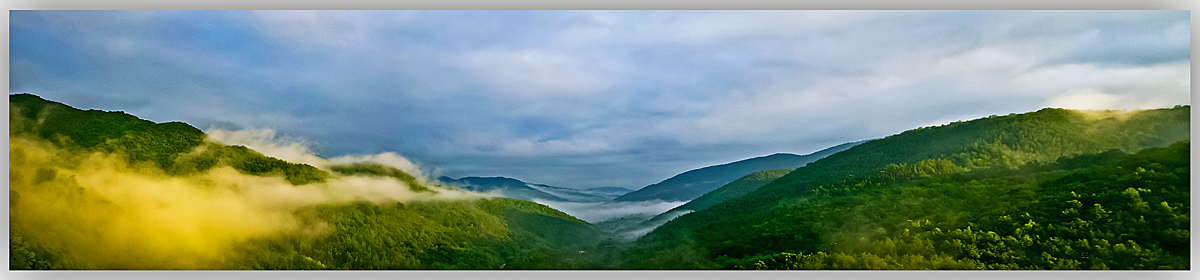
point(634, 231)
point(103, 212)
point(597, 212)
point(266, 142)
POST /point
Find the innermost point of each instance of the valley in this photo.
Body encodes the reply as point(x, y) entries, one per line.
point(1050, 189)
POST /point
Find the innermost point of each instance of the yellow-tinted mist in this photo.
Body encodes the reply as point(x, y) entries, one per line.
point(266, 142)
point(1119, 115)
point(104, 213)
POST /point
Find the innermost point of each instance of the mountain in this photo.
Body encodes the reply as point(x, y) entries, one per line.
point(91, 189)
point(737, 188)
point(692, 184)
point(734, 189)
point(1051, 189)
point(168, 146)
point(607, 191)
point(504, 187)
point(513, 188)
point(601, 194)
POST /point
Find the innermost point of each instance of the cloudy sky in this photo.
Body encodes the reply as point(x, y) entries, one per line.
point(594, 98)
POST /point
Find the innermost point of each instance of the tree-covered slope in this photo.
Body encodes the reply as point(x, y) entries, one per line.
point(176, 147)
point(694, 183)
point(106, 190)
point(377, 169)
point(496, 233)
point(737, 188)
point(802, 212)
point(1102, 211)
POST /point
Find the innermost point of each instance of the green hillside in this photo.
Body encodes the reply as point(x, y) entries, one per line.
point(737, 188)
point(734, 189)
point(175, 147)
point(881, 185)
point(105, 190)
point(498, 233)
point(376, 169)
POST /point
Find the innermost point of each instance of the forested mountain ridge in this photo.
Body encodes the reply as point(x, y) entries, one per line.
point(505, 187)
point(694, 183)
point(734, 189)
point(168, 145)
point(737, 188)
point(779, 217)
point(513, 188)
point(91, 189)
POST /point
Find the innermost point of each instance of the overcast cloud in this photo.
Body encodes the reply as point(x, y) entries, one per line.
point(594, 98)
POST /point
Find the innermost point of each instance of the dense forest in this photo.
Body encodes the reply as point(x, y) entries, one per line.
point(734, 189)
point(62, 219)
point(1052, 189)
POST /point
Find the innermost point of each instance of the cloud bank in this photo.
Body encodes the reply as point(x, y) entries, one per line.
point(595, 98)
point(595, 212)
point(266, 141)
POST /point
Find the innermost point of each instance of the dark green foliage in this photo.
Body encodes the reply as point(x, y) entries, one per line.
point(362, 236)
point(367, 236)
point(248, 161)
point(684, 255)
point(476, 234)
point(922, 169)
point(376, 169)
point(861, 261)
point(1006, 142)
point(1109, 210)
point(737, 188)
point(23, 255)
point(139, 139)
point(787, 215)
point(1127, 213)
point(502, 205)
point(175, 147)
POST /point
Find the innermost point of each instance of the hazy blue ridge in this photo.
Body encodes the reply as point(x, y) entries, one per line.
point(692, 184)
point(513, 188)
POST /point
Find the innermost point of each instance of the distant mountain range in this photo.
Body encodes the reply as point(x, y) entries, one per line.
point(686, 186)
point(692, 184)
point(513, 188)
point(708, 186)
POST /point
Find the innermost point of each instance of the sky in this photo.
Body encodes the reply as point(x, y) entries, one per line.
point(584, 99)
